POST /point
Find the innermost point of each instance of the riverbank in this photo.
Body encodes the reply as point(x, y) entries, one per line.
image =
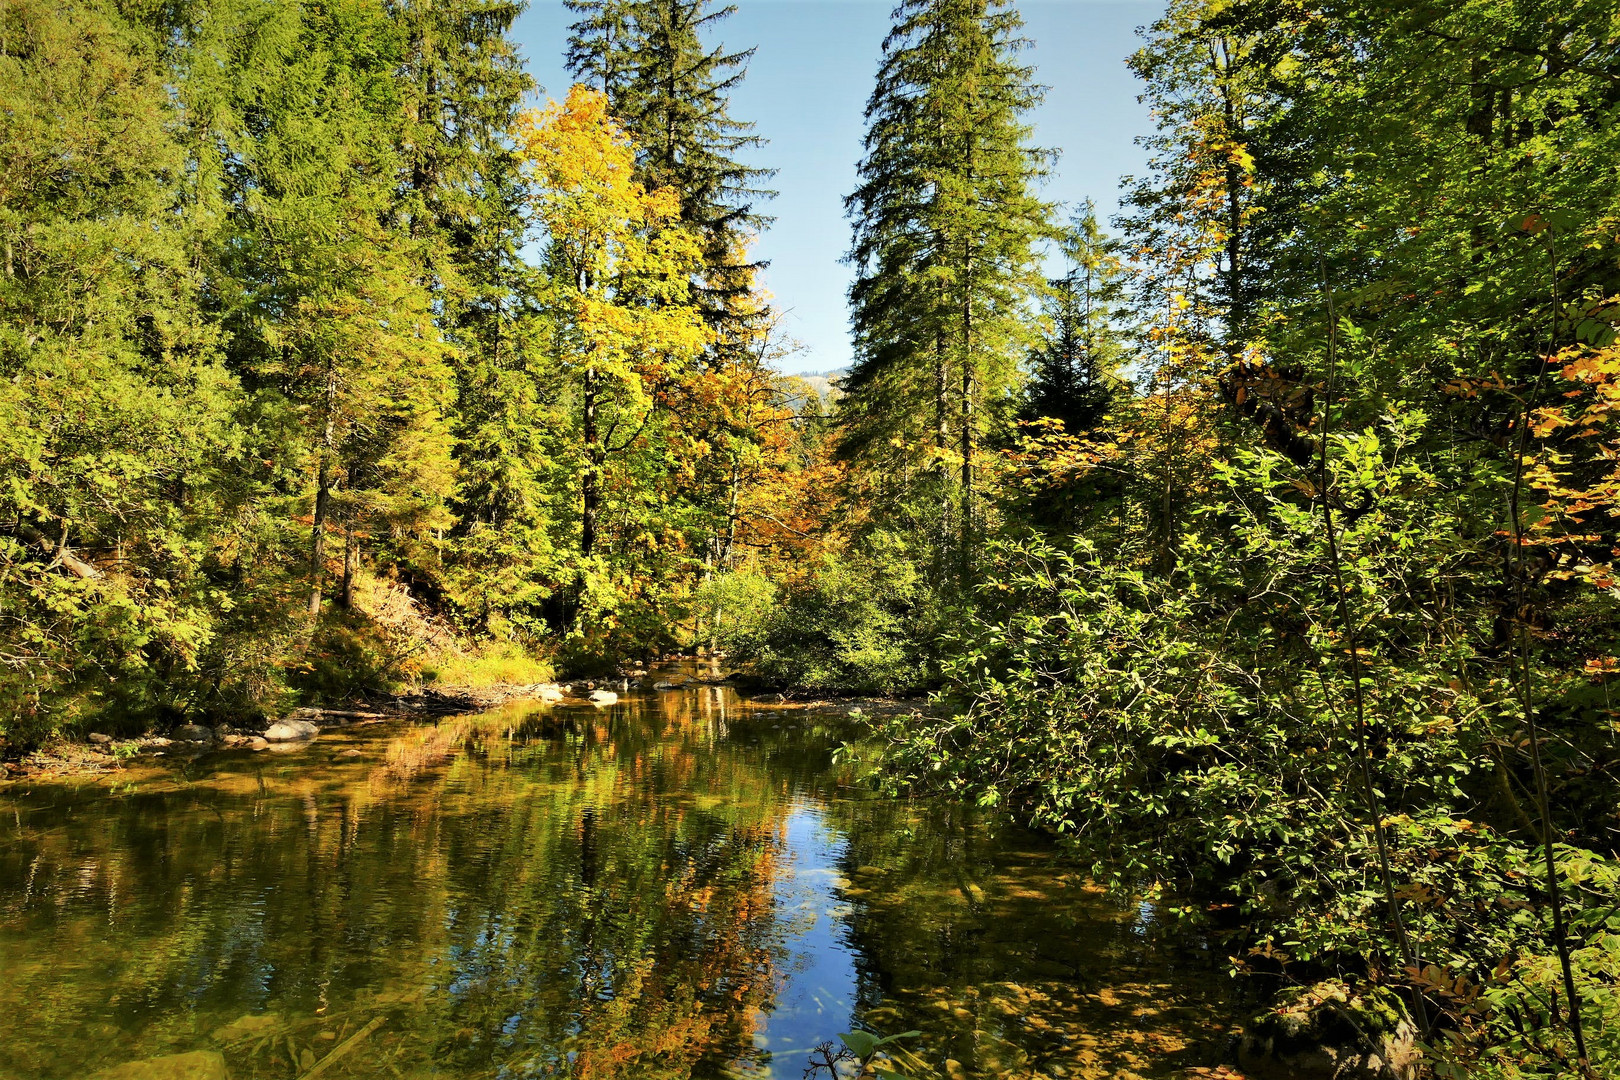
point(97, 753)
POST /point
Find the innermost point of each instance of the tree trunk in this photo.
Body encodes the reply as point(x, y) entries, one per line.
point(317, 542)
point(966, 524)
point(351, 562)
point(323, 498)
point(942, 429)
point(731, 518)
point(58, 548)
point(591, 481)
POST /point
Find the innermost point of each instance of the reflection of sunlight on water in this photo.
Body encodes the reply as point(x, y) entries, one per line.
point(1147, 913)
point(817, 997)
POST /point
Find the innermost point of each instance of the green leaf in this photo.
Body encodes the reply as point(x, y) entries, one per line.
point(860, 1043)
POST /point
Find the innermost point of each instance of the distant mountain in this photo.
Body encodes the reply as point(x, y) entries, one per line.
point(824, 383)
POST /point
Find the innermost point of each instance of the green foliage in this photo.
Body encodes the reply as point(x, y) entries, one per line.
point(115, 416)
point(861, 623)
point(946, 225)
point(1194, 731)
point(1329, 659)
point(732, 609)
point(1074, 371)
point(486, 664)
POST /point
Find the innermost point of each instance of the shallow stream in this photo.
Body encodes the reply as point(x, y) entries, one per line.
point(683, 884)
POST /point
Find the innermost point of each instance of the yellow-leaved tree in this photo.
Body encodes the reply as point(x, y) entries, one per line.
point(618, 285)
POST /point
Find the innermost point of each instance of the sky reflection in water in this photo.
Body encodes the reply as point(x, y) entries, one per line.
point(682, 885)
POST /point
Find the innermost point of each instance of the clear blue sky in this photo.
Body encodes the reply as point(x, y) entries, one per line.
point(807, 86)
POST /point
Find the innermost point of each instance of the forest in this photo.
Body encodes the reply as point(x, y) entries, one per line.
point(1258, 543)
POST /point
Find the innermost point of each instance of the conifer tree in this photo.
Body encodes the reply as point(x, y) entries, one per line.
point(671, 92)
point(462, 199)
point(1072, 372)
point(947, 223)
point(337, 318)
point(604, 46)
point(114, 411)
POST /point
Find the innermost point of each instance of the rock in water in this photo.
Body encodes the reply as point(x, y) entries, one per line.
point(1329, 1032)
point(247, 1026)
point(197, 1065)
point(193, 733)
point(603, 697)
point(548, 692)
point(291, 731)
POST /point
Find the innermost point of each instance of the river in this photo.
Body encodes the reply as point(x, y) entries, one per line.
point(682, 884)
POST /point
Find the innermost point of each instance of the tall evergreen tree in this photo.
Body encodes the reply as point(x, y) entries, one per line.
point(462, 199)
point(1072, 371)
point(337, 321)
point(947, 223)
point(604, 47)
point(671, 92)
point(114, 411)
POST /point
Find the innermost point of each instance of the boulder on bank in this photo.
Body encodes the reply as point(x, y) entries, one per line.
point(197, 1065)
point(291, 731)
point(1329, 1032)
point(548, 692)
point(193, 733)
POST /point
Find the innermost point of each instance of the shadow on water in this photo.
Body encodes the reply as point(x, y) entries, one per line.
point(680, 885)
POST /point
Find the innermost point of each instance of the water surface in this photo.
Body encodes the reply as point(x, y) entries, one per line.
point(680, 885)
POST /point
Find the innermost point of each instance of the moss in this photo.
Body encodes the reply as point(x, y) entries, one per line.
point(1329, 1014)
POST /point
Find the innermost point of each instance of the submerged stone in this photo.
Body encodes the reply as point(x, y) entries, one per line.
point(197, 1065)
point(247, 1026)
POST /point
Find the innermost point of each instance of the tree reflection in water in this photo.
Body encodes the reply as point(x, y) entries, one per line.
point(678, 886)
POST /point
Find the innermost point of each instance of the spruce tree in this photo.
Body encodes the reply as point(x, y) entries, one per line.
point(604, 46)
point(671, 92)
point(947, 223)
point(336, 325)
point(1072, 371)
point(462, 199)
